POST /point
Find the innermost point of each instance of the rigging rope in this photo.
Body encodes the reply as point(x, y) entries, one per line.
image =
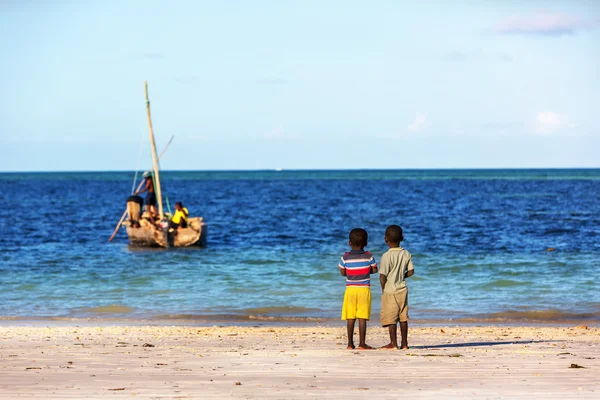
point(166, 197)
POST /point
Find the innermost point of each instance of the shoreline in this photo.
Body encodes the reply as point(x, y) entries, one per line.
point(262, 320)
point(309, 361)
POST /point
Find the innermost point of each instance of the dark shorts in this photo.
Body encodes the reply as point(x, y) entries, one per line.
point(182, 224)
point(150, 199)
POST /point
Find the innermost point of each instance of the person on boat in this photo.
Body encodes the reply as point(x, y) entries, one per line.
point(180, 219)
point(150, 200)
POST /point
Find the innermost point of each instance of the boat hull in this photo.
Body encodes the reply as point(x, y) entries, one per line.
point(148, 235)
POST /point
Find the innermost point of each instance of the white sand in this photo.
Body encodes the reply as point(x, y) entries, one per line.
point(60, 362)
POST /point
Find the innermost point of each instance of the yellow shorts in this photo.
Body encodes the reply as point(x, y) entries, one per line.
point(394, 308)
point(357, 303)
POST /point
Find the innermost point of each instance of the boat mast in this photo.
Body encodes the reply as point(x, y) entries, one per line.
point(154, 157)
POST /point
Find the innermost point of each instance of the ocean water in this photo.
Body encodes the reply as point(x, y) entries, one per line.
point(487, 245)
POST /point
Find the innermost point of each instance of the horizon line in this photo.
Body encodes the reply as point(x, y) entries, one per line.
point(310, 170)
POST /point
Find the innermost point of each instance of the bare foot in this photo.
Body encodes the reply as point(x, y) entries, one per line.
point(350, 347)
point(365, 347)
point(404, 348)
point(389, 346)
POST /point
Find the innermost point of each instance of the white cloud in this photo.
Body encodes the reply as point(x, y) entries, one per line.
point(418, 123)
point(547, 122)
point(543, 24)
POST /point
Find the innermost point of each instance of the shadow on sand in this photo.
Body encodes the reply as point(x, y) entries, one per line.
point(480, 344)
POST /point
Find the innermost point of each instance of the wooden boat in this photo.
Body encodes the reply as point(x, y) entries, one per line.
point(148, 235)
point(142, 230)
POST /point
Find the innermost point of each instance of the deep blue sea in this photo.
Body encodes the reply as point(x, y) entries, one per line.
point(487, 245)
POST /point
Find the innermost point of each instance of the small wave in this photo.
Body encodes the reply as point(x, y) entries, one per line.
point(502, 283)
point(260, 262)
point(242, 289)
point(558, 231)
point(323, 276)
point(140, 281)
point(278, 310)
point(111, 309)
point(233, 318)
point(164, 291)
point(284, 319)
point(541, 315)
point(284, 236)
point(456, 268)
point(27, 287)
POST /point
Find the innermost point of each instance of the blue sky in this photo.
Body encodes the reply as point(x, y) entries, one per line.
point(300, 84)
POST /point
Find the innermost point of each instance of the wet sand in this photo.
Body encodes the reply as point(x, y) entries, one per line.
point(162, 362)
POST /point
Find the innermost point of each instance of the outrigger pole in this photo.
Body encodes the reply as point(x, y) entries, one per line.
point(154, 157)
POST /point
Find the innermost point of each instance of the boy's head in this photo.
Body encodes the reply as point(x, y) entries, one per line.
point(358, 238)
point(393, 235)
point(178, 205)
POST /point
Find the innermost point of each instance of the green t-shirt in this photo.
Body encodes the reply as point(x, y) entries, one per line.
point(394, 264)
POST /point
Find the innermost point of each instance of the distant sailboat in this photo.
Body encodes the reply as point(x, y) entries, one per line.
point(142, 230)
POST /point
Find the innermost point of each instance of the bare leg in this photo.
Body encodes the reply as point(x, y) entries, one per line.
point(150, 211)
point(393, 344)
point(155, 216)
point(362, 334)
point(350, 327)
point(404, 334)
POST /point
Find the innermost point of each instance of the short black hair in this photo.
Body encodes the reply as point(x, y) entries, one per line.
point(393, 233)
point(179, 204)
point(358, 237)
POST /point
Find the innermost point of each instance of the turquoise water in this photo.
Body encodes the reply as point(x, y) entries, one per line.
point(487, 245)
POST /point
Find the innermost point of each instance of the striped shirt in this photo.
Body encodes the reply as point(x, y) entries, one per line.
point(358, 265)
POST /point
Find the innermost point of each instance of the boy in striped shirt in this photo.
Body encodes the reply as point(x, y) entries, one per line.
point(357, 266)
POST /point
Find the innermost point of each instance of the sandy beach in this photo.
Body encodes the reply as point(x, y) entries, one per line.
point(176, 362)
